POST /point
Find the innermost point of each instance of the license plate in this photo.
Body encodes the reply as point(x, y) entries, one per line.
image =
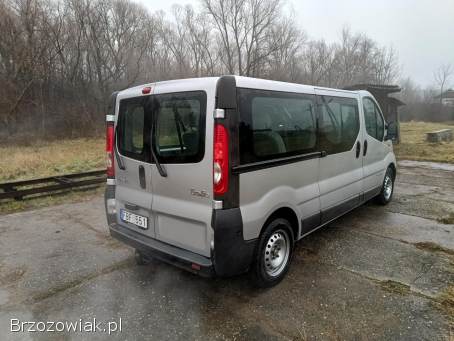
point(134, 219)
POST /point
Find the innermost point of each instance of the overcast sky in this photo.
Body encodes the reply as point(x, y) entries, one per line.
point(421, 31)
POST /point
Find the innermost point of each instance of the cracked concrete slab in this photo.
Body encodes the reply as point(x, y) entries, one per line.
point(379, 273)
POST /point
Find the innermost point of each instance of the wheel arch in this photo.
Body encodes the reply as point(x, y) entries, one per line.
point(392, 165)
point(287, 213)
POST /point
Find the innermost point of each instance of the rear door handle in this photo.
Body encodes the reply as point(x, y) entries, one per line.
point(142, 180)
point(358, 149)
point(365, 148)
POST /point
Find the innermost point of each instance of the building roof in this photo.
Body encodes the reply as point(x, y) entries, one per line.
point(385, 89)
point(395, 101)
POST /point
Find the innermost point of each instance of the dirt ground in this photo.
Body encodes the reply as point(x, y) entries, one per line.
point(378, 273)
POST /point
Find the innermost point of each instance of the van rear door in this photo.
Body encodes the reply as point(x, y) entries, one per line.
point(133, 192)
point(182, 197)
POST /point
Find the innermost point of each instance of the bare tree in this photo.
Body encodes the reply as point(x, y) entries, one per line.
point(441, 77)
point(242, 27)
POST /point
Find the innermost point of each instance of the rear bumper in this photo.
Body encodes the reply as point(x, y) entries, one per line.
point(167, 253)
point(232, 254)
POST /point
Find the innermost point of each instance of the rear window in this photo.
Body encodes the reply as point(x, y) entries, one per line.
point(174, 124)
point(132, 129)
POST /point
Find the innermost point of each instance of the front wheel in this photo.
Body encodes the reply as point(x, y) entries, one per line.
point(273, 254)
point(387, 189)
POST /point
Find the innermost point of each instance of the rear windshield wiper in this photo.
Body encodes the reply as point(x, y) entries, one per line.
point(162, 171)
point(119, 159)
point(160, 167)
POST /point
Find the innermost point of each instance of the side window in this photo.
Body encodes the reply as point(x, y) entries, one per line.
point(274, 125)
point(179, 135)
point(374, 120)
point(338, 124)
point(132, 121)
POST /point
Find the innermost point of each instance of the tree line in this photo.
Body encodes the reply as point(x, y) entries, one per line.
point(60, 59)
point(426, 104)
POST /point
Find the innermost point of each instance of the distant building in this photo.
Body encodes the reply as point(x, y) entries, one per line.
point(447, 98)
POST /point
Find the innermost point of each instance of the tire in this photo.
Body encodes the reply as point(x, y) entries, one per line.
point(387, 188)
point(273, 254)
point(141, 259)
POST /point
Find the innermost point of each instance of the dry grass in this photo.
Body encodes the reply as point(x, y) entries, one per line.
point(51, 158)
point(447, 302)
point(413, 144)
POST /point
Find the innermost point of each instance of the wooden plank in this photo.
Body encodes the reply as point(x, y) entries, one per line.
point(51, 188)
point(51, 179)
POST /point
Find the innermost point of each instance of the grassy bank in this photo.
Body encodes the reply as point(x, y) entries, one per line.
point(43, 159)
point(413, 144)
point(71, 156)
point(51, 158)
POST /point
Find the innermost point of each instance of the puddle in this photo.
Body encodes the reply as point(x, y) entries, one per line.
point(424, 164)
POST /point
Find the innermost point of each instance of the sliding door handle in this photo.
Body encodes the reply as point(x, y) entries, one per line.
point(358, 149)
point(365, 148)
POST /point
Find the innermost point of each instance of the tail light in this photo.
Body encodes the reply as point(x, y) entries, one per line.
point(220, 159)
point(109, 149)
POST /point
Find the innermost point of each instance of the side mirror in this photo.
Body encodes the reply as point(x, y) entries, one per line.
point(390, 131)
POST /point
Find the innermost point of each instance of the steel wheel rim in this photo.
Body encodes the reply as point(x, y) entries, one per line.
point(277, 252)
point(388, 187)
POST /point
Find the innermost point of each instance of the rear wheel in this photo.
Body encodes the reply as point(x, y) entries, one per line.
point(387, 189)
point(273, 254)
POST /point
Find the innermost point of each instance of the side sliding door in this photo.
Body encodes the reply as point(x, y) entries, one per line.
point(339, 136)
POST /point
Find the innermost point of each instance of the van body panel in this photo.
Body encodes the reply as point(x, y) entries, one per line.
point(336, 188)
point(263, 192)
point(128, 191)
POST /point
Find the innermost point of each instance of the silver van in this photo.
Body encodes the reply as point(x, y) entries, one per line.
point(223, 175)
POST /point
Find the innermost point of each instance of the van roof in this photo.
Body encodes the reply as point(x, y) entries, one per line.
point(241, 81)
